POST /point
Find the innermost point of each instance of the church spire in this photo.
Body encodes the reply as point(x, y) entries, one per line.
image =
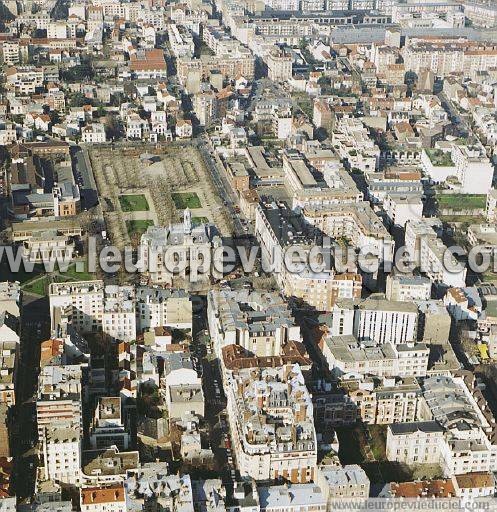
point(187, 221)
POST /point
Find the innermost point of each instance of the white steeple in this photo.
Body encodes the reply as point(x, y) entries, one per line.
point(187, 221)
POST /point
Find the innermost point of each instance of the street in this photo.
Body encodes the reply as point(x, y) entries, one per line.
point(83, 175)
point(219, 179)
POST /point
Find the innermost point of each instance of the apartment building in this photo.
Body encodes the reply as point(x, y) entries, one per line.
point(300, 178)
point(148, 64)
point(181, 386)
point(9, 327)
point(260, 322)
point(415, 443)
point(447, 56)
point(103, 499)
point(108, 428)
point(405, 288)
point(473, 169)
point(355, 223)
point(171, 492)
point(119, 316)
point(302, 268)
point(349, 481)
point(94, 134)
point(159, 307)
point(432, 256)
point(376, 319)
point(10, 52)
point(346, 355)
point(239, 63)
point(181, 41)
point(10, 302)
point(81, 302)
point(450, 402)
point(120, 311)
point(393, 400)
point(107, 466)
point(461, 441)
point(24, 79)
point(402, 207)
point(481, 14)
point(9, 360)
point(284, 447)
point(62, 453)
point(279, 65)
point(59, 396)
point(291, 498)
point(353, 144)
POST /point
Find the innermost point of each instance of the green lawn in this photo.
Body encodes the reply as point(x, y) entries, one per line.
point(439, 158)
point(184, 200)
point(138, 226)
point(378, 441)
point(351, 444)
point(73, 275)
point(134, 203)
point(199, 220)
point(461, 201)
point(22, 276)
point(38, 286)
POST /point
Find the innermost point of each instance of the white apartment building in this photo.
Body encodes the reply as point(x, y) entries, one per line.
point(461, 443)
point(376, 319)
point(57, 30)
point(136, 127)
point(402, 207)
point(181, 40)
point(279, 65)
point(9, 360)
point(345, 355)
point(353, 144)
point(405, 288)
point(356, 223)
point(284, 447)
point(474, 170)
point(431, 255)
point(10, 301)
point(10, 52)
point(415, 443)
point(181, 387)
point(93, 134)
point(8, 133)
point(159, 307)
point(446, 57)
point(119, 316)
point(120, 311)
point(279, 230)
point(80, 301)
point(62, 454)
